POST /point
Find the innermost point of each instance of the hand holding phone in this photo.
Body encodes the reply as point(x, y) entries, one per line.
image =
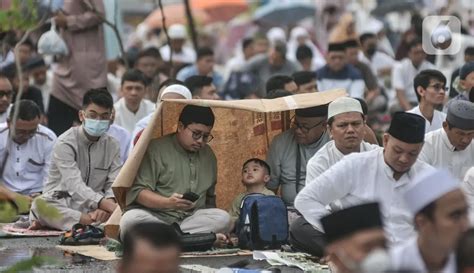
point(191, 196)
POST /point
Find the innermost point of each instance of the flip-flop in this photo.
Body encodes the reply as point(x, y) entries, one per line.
point(82, 235)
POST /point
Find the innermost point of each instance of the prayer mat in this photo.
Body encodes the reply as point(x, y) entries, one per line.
point(12, 230)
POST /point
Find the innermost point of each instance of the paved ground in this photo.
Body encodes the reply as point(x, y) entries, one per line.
point(17, 249)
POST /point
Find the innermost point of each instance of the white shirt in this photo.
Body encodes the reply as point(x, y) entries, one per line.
point(26, 166)
point(403, 74)
point(359, 178)
point(123, 137)
point(437, 121)
point(187, 54)
point(327, 156)
point(439, 152)
point(468, 189)
point(140, 126)
point(4, 115)
point(126, 118)
point(407, 256)
point(378, 61)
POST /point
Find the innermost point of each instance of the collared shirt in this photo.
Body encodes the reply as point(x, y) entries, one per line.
point(4, 115)
point(123, 137)
point(126, 118)
point(468, 189)
point(168, 168)
point(327, 156)
point(187, 54)
point(435, 124)
point(403, 75)
point(234, 210)
point(407, 257)
point(25, 166)
point(282, 160)
point(348, 78)
point(83, 169)
point(192, 70)
point(359, 178)
point(440, 153)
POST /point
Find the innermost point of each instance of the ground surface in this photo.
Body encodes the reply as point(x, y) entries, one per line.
point(17, 249)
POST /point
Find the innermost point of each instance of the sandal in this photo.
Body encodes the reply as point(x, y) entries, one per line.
point(82, 235)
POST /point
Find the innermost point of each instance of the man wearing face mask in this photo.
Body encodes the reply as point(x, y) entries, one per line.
point(85, 163)
point(356, 240)
point(378, 175)
point(439, 210)
point(380, 63)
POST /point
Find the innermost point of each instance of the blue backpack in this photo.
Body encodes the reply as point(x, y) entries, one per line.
point(263, 222)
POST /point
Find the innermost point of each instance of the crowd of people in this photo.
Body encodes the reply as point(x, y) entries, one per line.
point(356, 194)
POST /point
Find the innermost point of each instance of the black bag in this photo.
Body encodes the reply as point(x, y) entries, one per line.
point(195, 241)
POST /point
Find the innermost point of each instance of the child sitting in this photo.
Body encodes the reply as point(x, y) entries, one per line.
point(255, 174)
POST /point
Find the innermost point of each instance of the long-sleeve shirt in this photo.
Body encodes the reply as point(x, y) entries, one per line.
point(468, 189)
point(327, 156)
point(84, 169)
point(348, 78)
point(25, 166)
point(435, 124)
point(168, 168)
point(281, 158)
point(126, 118)
point(359, 178)
point(439, 152)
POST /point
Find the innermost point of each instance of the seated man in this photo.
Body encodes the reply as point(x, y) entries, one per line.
point(201, 87)
point(306, 82)
point(173, 165)
point(84, 165)
point(451, 147)
point(290, 151)
point(354, 237)
point(150, 247)
point(440, 216)
point(379, 175)
point(279, 82)
point(25, 150)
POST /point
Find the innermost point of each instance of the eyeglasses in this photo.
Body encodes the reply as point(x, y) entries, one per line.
point(6, 93)
point(197, 135)
point(304, 129)
point(439, 87)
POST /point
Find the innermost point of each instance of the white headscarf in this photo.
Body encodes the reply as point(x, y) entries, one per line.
point(296, 32)
point(177, 89)
point(276, 34)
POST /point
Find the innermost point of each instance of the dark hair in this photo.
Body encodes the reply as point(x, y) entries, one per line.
point(169, 82)
point(134, 75)
point(336, 47)
point(302, 77)
point(196, 83)
point(9, 71)
point(28, 110)
point(196, 114)
point(99, 96)
point(149, 52)
point(363, 104)
point(414, 43)
point(428, 210)
point(278, 93)
point(277, 82)
point(464, 251)
point(303, 52)
point(204, 52)
point(29, 44)
point(364, 37)
point(351, 44)
point(469, 50)
point(247, 42)
point(157, 234)
point(424, 77)
point(260, 162)
point(280, 47)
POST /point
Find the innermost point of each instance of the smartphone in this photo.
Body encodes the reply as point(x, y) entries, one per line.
point(191, 196)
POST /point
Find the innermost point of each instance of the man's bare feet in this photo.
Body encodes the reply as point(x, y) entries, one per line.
point(35, 225)
point(221, 240)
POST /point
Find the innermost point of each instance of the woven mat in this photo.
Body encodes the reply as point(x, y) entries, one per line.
point(12, 230)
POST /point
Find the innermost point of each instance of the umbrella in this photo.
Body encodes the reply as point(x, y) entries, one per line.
point(220, 10)
point(384, 6)
point(175, 14)
point(284, 12)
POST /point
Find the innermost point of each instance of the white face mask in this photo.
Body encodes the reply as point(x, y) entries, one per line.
point(378, 260)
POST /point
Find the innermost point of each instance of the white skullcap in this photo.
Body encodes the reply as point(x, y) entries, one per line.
point(298, 32)
point(344, 105)
point(177, 89)
point(177, 31)
point(373, 26)
point(276, 34)
point(428, 187)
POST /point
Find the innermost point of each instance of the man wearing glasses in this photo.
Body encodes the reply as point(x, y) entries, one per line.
point(290, 151)
point(6, 94)
point(84, 164)
point(25, 150)
point(430, 89)
point(174, 166)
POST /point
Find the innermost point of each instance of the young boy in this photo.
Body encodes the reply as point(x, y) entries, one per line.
point(255, 174)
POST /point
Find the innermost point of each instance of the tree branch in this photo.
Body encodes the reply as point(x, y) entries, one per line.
point(158, 3)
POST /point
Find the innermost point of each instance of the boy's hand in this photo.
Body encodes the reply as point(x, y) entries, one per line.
point(108, 205)
point(176, 201)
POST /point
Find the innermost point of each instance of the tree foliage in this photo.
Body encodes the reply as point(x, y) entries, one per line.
point(21, 15)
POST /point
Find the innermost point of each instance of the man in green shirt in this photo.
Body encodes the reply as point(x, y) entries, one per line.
point(173, 165)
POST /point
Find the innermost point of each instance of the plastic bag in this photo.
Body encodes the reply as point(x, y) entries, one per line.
point(50, 43)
